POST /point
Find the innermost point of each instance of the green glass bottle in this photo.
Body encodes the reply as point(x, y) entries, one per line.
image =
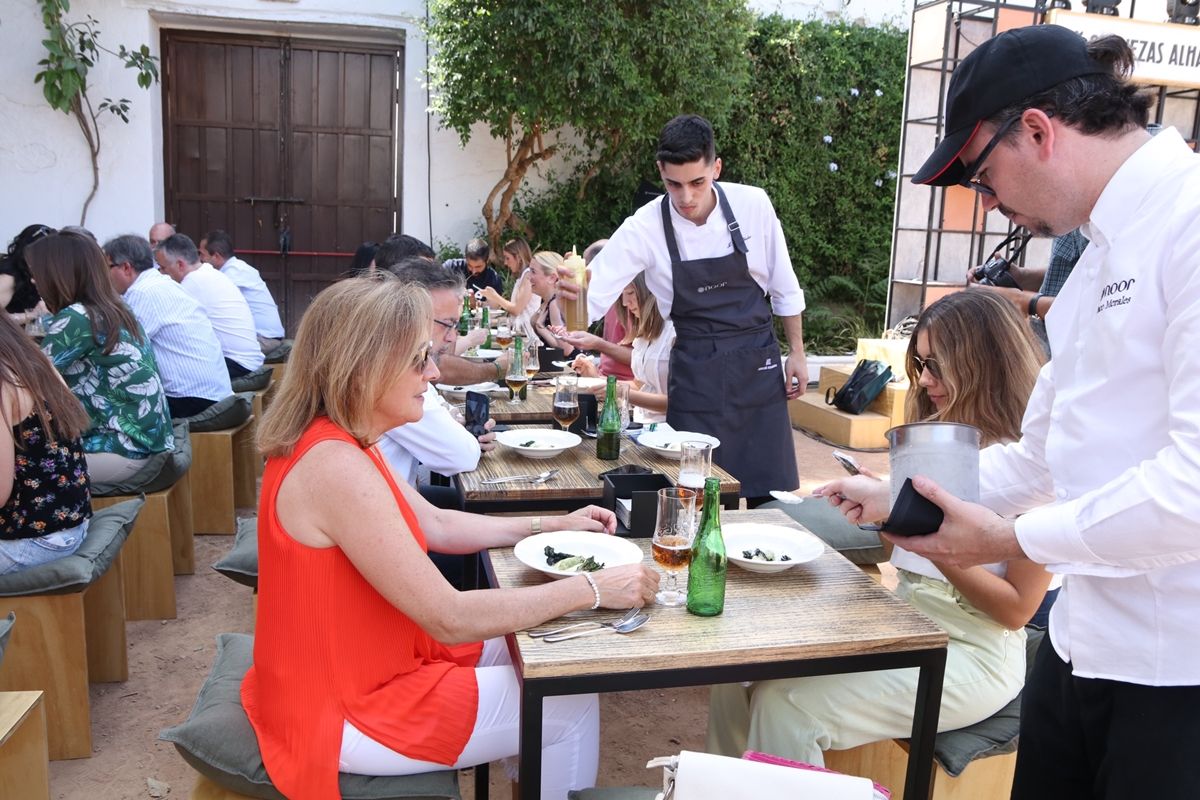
point(709, 565)
point(486, 321)
point(608, 429)
point(464, 321)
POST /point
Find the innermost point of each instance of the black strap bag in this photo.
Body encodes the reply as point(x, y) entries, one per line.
point(862, 387)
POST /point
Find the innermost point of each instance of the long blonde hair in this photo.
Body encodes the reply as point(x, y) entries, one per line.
point(520, 250)
point(988, 359)
point(649, 322)
point(354, 340)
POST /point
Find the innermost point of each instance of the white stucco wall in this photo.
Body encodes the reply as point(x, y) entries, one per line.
point(44, 164)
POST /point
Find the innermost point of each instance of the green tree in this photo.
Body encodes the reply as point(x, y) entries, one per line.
point(607, 75)
point(72, 49)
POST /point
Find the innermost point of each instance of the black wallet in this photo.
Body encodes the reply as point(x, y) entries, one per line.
point(913, 514)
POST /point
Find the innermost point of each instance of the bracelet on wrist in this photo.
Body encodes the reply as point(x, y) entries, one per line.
point(595, 589)
point(1033, 304)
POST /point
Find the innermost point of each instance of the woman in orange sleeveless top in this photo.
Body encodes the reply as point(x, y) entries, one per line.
point(365, 659)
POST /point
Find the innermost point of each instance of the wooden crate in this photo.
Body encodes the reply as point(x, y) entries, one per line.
point(886, 762)
point(223, 477)
point(866, 430)
point(24, 753)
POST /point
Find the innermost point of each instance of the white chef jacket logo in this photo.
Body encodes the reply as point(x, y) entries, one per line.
point(1117, 293)
point(712, 286)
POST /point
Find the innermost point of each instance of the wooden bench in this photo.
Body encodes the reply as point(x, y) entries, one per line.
point(24, 753)
point(260, 403)
point(223, 477)
point(159, 548)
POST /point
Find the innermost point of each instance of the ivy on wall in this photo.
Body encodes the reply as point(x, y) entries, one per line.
point(818, 127)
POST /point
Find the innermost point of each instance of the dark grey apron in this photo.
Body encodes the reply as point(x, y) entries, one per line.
point(726, 376)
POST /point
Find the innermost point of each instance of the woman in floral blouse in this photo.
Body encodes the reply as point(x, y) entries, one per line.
point(44, 501)
point(104, 356)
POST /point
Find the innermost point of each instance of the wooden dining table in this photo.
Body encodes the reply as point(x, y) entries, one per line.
point(822, 617)
point(537, 407)
point(577, 483)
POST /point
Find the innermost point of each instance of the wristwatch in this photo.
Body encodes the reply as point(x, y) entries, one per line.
point(1033, 303)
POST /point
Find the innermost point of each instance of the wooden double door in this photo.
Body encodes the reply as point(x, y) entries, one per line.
point(289, 145)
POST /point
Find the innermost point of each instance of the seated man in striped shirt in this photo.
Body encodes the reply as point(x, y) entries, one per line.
point(189, 358)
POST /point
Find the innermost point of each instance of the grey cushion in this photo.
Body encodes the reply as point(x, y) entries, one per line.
point(614, 793)
point(5, 629)
point(859, 546)
point(107, 531)
point(994, 736)
point(241, 562)
point(253, 381)
point(217, 740)
point(278, 354)
point(160, 471)
point(222, 415)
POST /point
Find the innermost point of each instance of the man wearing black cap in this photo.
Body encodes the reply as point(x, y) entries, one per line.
point(1106, 475)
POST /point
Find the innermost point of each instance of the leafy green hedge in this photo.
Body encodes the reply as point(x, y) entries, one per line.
point(818, 127)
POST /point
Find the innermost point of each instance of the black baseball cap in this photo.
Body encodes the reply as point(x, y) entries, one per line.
point(1002, 71)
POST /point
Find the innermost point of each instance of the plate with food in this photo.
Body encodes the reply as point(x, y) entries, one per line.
point(564, 553)
point(481, 354)
point(761, 547)
point(669, 443)
point(538, 442)
point(461, 391)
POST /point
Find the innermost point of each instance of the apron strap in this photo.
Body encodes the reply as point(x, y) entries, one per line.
point(735, 230)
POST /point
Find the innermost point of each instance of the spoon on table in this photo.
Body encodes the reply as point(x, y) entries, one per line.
point(540, 478)
point(628, 626)
point(630, 614)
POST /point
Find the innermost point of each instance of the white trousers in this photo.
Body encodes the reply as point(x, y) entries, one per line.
point(570, 733)
point(112, 468)
point(800, 718)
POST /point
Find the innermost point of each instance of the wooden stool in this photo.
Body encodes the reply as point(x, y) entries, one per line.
point(159, 548)
point(260, 403)
point(223, 477)
point(24, 754)
point(63, 642)
point(885, 763)
point(277, 370)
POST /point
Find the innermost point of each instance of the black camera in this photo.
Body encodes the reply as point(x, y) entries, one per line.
point(994, 271)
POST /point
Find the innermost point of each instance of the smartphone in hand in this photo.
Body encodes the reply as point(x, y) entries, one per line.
point(848, 463)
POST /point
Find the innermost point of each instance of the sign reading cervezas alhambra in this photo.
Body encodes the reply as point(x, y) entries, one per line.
point(1167, 54)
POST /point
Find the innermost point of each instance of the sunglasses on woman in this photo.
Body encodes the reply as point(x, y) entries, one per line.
point(929, 363)
point(423, 357)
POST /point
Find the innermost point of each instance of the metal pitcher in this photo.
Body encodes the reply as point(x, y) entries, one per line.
point(947, 452)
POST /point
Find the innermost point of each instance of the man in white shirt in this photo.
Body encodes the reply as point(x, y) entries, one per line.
point(220, 299)
point(160, 232)
point(216, 248)
point(1047, 129)
point(712, 253)
point(185, 346)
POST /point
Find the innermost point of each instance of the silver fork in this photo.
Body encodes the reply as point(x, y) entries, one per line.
point(630, 614)
point(539, 478)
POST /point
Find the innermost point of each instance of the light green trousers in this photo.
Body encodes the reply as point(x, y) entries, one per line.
point(800, 718)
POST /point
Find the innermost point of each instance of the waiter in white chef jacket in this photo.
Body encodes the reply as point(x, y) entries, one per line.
point(713, 254)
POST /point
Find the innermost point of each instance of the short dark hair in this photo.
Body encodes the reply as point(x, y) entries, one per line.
point(132, 249)
point(478, 250)
point(399, 246)
point(180, 246)
point(219, 243)
point(363, 257)
point(426, 273)
point(1094, 104)
point(685, 139)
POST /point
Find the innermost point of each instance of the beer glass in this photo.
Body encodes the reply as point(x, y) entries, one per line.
point(566, 400)
point(532, 366)
point(695, 464)
point(672, 542)
point(515, 377)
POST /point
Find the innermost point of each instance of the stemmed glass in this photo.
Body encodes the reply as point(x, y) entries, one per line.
point(672, 542)
point(515, 377)
point(504, 336)
point(532, 367)
point(566, 400)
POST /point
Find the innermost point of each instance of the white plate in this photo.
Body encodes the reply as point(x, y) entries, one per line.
point(799, 546)
point(461, 391)
point(547, 443)
point(482, 354)
point(611, 551)
point(668, 443)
